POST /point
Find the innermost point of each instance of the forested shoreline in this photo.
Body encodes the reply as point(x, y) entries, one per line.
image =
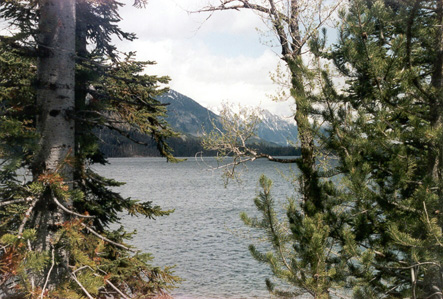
point(115, 145)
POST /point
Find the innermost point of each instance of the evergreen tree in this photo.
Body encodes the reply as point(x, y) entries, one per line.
point(387, 133)
point(60, 80)
point(301, 253)
point(309, 264)
point(379, 223)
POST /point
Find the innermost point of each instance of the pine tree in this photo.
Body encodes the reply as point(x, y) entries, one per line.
point(60, 80)
point(309, 265)
point(381, 218)
point(301, 252)
point(386, 129)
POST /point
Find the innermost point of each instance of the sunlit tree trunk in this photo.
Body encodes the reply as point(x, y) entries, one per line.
point(56, 81)
point(55, 122)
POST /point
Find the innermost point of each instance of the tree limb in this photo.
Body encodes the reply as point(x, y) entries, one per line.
point(27, 215)
point(69, 211)
point(10, 202)
point(49, 274)
point(116, 289)
point(80, 285)
point(106, 239)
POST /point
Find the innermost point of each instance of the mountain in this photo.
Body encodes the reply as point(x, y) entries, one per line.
point(189, 117)
point(186, 115)
point(276, 129)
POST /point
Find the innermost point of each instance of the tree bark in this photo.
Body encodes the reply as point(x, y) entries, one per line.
point(436, 104)
point(55, 122)
point(56, 82)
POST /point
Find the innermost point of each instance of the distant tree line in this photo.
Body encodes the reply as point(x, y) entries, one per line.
point(113, 144)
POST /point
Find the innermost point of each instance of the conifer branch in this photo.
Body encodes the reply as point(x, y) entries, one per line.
point(124, 134)
point(116, 289)
point(275, 235)
point(10, 202)
point(69, 211)
point(430, 224)
point(80, 285)
point(49, 274)
point(106, 239)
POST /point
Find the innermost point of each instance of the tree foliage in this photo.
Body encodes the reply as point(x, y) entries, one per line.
point(55, 235)
point(295, 23)
point(378, 224)
point(386, 131)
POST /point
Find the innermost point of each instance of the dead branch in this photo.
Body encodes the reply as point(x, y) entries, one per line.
point(116, 289)
point(69, 211)
point(27, 215)
point(241, 4)
point(106, 239)
point(106, 280)
point(49, 274)
point(10, 202)
point(80, 285)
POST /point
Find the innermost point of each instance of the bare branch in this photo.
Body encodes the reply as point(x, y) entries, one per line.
point(10, 202)
point(416, 265)
point(49, 274)
point(80, 285)
point(81, 268)
point(280, 29)
point(69, 211)
point(106, 239)
point(116, 289)
point(278, 160)
point(27, 215)
point(106, 280)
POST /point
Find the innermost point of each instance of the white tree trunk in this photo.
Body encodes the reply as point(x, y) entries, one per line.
point(55, 121)
point(56, 79)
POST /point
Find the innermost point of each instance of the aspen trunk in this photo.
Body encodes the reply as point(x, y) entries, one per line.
point(55, 122)
point(56, 79)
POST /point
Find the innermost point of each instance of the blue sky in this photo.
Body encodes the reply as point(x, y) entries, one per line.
point(213, 60)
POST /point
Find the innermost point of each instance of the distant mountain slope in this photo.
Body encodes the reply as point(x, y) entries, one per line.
point(186, 115)
point(275, 129)
point(189, 117)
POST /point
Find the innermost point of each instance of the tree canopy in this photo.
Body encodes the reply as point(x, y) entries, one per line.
point(61, 79)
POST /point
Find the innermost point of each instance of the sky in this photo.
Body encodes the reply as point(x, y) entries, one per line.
point(212, 60)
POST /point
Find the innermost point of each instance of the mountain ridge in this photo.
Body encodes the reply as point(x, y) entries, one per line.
point(189, 117)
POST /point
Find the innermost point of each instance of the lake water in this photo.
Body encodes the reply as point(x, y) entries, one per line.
point(204, 237)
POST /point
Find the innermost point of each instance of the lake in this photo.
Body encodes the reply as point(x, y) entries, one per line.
point(204, 237)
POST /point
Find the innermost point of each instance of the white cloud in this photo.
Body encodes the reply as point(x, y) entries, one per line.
point(211, 61)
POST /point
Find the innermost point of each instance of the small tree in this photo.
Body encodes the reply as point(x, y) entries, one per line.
point(301, 253)
point(295, 23)
point(60, 79)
